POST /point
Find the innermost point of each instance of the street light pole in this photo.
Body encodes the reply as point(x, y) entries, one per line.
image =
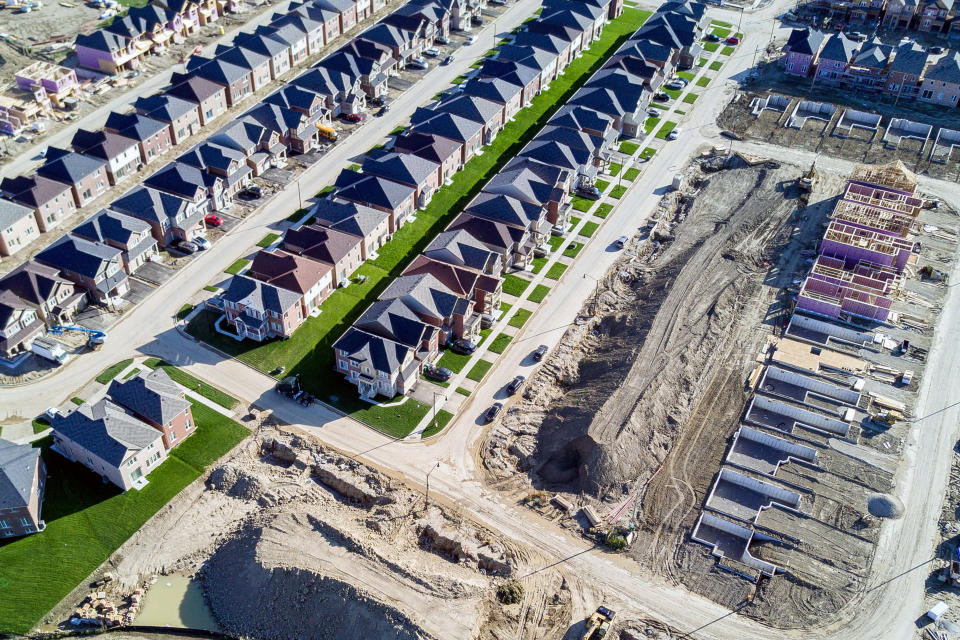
point(427, 501)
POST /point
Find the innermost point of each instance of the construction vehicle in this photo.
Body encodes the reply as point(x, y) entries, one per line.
point(805, 182)
point(95, 341)
point(599, 624)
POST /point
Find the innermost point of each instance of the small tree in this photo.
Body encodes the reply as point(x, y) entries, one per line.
point(616, 540)
point(510, 592)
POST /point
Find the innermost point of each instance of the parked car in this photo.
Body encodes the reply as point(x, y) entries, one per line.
point(417, 63)
point(476, 21)
point(463, 347)
point(187, 246)
point(662, 97)
point(936, 49)
point(471, 39)
point(733, 40)
point(654, 113)
point(202, 243)
point(674, 134)
point(515, 385)
point(438, 373)
point(500, 2)
point(250, 193)
point(352, 117)
point(856, 36)
point(433, 52)
point(712, 37)
point(487, 320)
point(376, 102)
point(51, 413)
point(540, 352)
point(383, 110)
point(675, 84)
point(591, 193)
point(491, 414)
point(622, 242)
point(442, 39)
point(448, 59)
point(213, 220)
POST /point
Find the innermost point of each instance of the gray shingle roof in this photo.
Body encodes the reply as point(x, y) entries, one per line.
point(33, 191)
point(393, 320)
point(459, 248)
point(150, 204)
point(805, 41)
point(153, 395)
point(839, 48)
point(110, 225)
point(165, 108)
point(372, 190)
point(946, 69)
point(401, 167)
point(106, 430)
point(69, 167)
point(910, 58)
point(349, 217)
point(506, 209)
point(380, 353)
point(71, 253)
point(134, 125)
point(260, 295)
point(11, 212)
point(18, 466)
point(424, 294)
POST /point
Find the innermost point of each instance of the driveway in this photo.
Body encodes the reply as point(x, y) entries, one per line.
point(139, 290)
point(155, 273)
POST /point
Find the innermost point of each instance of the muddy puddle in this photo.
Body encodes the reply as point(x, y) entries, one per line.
point(176, 601)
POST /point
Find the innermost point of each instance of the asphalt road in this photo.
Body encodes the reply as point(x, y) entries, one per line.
point(886, 610)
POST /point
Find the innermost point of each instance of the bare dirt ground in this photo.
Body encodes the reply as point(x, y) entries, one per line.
point(636, 406)
point(292, 540)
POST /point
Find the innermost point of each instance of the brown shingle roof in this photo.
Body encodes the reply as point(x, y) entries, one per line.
point(287, 270)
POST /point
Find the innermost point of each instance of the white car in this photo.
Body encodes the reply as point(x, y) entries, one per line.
point(654, 113)
point(674, 134)
point(51, 413)
point(471, 39)
point(201, 242)
point(433, 52)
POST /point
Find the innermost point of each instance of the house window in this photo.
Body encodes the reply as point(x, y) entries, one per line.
point(24, 522)
point(927, 94)
point(4, 524)
point(343, 365)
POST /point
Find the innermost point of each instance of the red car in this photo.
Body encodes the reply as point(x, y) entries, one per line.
point(213, 220)
point(352, 117)
point(733, 40)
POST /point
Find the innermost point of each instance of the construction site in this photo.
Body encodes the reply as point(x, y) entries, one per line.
point(733, 400)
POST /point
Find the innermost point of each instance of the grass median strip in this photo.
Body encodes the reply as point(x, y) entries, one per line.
point(603, 210)
point(556, 271)
point(87, 520)
point(539, 293)
point(268, 240)
point(703, 81)
point(589, 228)
point(193, 384)
point(690, 98)
point(520, 318)
point(437, 425)
point(601, 185)
point(479, 370)
point(499, 344)
point(515, 285)
point(618, 192)
point(667, 127)
point(716, 65)
point(237, 267)
point(579, 203)
point(113, 370)
point(628, 147)
point(614, 168)
point(463, 392)
point(633, 172)
point(453, 361)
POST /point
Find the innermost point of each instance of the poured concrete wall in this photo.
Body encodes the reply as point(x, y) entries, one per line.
point(727, 539)
point(743, 497)
point(780, 415)
point(775, 374)
point(860, 119)
point(833, 331)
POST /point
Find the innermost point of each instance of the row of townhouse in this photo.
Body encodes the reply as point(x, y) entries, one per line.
point(865, 249)
point(122, 438)
point(907, 71)
point(443, 293)
point(930, 16)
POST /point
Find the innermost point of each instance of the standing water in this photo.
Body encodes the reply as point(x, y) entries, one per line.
point(176, 600)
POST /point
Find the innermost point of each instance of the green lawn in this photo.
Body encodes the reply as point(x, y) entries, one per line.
point(184, 311)
point(701, 62)
point(323, 193)
point(309, 350)
point(555, 242)
point(459, 80)
point(77, 401)
point(603, 210)
point(538, 264)
point(716, 65)
point(690, 98)
point(574, 248)
point(443, 417)
point(499, 344)
point(628, 147)
point(87, 520)
point(111, 372)
point(504, 307)
point(602, 185)
point(667, 127)
point(614, 168)
point(650, 124)
point(574, 221)
point(723, 32)
point(453, 361)
point(211, 288)
point(618, 192)
point(556, 270)
point(686, 75)
point(479, 370)
point(268, 240)
point(519, 318)
point(581, 204)
point(131, 373)
point(588, 229)
point(237, 267)
point(40, 425)
point(297, 215)
point(633, 172)
point(711, 46)
point(539, 293)
point(720, 23)
point(194, 384)
point(727, 51)
point(703, 81)
point(515, 285)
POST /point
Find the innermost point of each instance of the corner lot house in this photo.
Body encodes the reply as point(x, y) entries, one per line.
point(23, 478)
point(50, 200)
point(19, 325)
point(111, 443)
point(92, 266)
point(260, 311)
point(18, 227)
point(376, 365)
point(157, 400)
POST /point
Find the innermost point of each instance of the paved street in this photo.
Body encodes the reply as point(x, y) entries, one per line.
point(887, 610)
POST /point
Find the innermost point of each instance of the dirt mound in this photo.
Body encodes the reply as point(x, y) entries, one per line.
point(262, 584)
point(234, 481)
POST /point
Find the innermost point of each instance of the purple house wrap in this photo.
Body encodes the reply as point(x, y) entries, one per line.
point(832, 290)
point(854, 245)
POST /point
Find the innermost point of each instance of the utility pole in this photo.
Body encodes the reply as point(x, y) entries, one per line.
point(427, 501)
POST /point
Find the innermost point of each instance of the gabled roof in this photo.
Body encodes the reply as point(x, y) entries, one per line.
point(582, 144)
point(326, 81)
point(287, 270)
point(291, 97)
point(11, 213)
point(211, 154)
point(314, 11)
point(68, 167)
point(216, 70)
point(496, 236)
point(910, 58)
point(459, 248)
point(101, 144)
point(380, 353)
point(320, 243)
point(946, 69)
point(508, 70)
point(302, 23)
point(71, 253)
point(134, 126)
point(18, 467)
point(529, 56)
point(553, 152)
point(167, 108)
point(805, 41)
point(349, 217)
point(683, 27)
point(650, 50)
point(493, 89)
point(240, 57)
point(506, 209)
point(259, 295)
point(600, 99)
point(278, 119)
point(152, 395)
point(261, 43)
point(543, 41)
point(340, 6)
point(470, 107)
point(404, 168)
point(149, 204)
point(33, 191)
point(450, 126)
point(528, 180)
point(659, 33)
point(567, 18)
point(424, 294)
point(432, 147)
point(873, 55)
point(11, 310)
point(393, 320)
point(101, 40)
point(460, 280)
point(106, 430)
point(193, 88)
point(695, 10)
point(372, 190)
point(581, 118)
point(242, 134)
point(110, 225)
point(33, 282)
point(389, 35)
point(839, 48)
point(286, 33)
point(182, 180)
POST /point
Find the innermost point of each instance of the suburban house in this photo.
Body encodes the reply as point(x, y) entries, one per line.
point(905, 72)
point(512, 244)
point(86, 175)
point(388, 196)
point(312, 29)
point(260, 311)
point(536, 183)
point(121, 154)
point(311, 279)
point(202, 188)
point(527, 78)
point(153, 137)
point(109, 53)
point(402, 44)
point(620, 95)
point(307, 102)
point(941, 82)
point(55, 298)
point(587, 120)
point(183, 116)
point(51, 201)
point(209, 97)
point(255, 63)
point(486, 112)
point(342, 92)
point(293, 38)
point(409, 170)
point(485, 291)
point(803, 51)
point(504, 93)
point(437, 305)
point(835, 57)
point(277, 52)
point(368, 61)
point(18, 227)
point(899, 14)
point(228, 164)
point(329, 19)
point(447, 153)
point(23, 479)
point(170, 217)
point(468, 133)
point(340, 250)
point(289, 125)
point(346, 10)
point(19, 325)
point(932, 15)
point(511, 211)
point(57, 82)
point(376, 365)
point(236, 80)
point(394, 321)
point(94, 267)
point(113, 444)
point(557, 47)
point(130, 235)
point(868, 70)
point(460, 249)
point(371, 225)
point(155, 399)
